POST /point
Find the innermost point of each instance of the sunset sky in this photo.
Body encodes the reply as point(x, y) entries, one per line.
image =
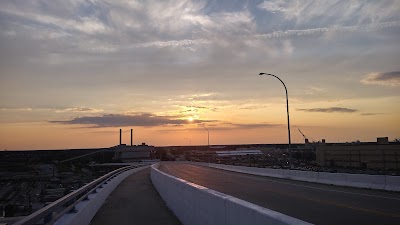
point(72, 72)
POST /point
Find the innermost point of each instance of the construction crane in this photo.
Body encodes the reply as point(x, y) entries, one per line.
point(305, 138)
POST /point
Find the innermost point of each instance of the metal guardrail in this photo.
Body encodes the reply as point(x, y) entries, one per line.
point(51, 213)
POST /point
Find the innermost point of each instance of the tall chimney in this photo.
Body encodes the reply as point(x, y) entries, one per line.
point(120, 136)
point(131, 137)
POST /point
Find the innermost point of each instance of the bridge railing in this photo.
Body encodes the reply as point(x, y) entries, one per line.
point(52, 212)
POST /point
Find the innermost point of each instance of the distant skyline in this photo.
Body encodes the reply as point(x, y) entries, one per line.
point(73, 72)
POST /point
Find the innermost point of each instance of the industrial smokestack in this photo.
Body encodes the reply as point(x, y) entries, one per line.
point(131, 137)
point(120, 136)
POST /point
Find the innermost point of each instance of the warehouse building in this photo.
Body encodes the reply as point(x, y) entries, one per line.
point(126, 153)
point(379, 155)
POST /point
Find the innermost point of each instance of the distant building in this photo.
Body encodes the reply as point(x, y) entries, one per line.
point(379, 155)
point(237, 153)
point(127, 153)
point(382, 140)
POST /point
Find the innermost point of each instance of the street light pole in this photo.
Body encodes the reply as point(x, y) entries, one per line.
point(288, 120)
point(208, 135)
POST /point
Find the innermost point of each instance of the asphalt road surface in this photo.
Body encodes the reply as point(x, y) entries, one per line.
point(311, 202)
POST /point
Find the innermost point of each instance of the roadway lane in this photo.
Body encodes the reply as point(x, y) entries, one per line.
point(314, 203)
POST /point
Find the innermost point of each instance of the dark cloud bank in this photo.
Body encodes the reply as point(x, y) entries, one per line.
point(117, 120)
point(387, 78)
point(394, 75)
point(151, 120)
point(330, 110)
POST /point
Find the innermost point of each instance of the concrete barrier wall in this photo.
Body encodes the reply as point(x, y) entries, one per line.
point(392, 183)
point(377, 182)
point(197, 205)
point(86, 210)
point(366, 181)
point(339, 179)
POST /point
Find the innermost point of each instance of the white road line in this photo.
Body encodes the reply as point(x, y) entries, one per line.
point(171, 172)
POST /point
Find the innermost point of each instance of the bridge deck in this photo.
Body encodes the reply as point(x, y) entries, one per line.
point(314, 203)
point(135, 201)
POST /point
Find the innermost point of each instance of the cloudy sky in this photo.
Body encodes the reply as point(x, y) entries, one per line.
point(72, 72)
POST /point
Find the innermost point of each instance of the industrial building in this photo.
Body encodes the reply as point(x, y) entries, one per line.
point(125, 153)
point(132, 153)
point(378, 155)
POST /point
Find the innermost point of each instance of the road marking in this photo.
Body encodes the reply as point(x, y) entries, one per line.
point(171, 171)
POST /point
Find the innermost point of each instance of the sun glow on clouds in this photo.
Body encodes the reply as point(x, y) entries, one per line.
point(163, 66)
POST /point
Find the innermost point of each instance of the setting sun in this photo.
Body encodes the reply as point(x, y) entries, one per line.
point(160, 73)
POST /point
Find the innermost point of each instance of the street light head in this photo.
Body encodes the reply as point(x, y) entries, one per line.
point(261, 74)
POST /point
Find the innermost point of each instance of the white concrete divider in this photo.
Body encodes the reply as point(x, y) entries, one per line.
point(86, 210)
point(366, 181)
point(302, 175)
point(339, 179)
point(197, 205)
point(392, 183)
point(377, 182)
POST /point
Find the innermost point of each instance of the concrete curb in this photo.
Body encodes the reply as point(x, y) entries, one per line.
point(197, 205)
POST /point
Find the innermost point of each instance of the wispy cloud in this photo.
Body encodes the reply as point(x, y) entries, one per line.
point(252, 106)
point(189, 109)
point(87, 25)
point(250, 125)
point(89, 31)
point(174, 43)
point(315, 91)
point(386, 79)
point(225, 126)
point(54, 109)
point(323, 30)
point(17, 109)
point(119, 120)
point(78, 110)
point(332, 11)
point(273, 6)
point(371, 114)
point(330, 110)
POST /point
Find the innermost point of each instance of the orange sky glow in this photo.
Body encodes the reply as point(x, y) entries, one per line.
point(73, 73)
